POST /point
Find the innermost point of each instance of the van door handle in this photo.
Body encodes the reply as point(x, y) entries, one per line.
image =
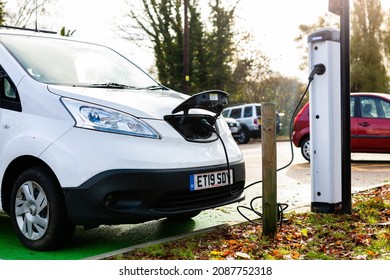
point(364, 124)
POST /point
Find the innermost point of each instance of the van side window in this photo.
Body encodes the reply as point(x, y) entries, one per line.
point(9, 90)
point(9, 97)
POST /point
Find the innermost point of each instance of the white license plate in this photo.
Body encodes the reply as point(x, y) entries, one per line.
point(209, 180)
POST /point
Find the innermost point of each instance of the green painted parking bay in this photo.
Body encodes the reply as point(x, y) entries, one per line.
point(105, 239)
point(93, 242)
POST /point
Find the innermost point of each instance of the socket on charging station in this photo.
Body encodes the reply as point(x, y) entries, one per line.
point(325, 120)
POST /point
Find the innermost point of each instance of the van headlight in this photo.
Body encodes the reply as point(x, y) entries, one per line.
point(100, 118)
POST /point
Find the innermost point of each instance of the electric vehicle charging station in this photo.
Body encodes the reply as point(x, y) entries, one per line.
point(325, 116)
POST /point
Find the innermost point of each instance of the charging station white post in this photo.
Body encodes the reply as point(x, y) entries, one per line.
point(325, 121)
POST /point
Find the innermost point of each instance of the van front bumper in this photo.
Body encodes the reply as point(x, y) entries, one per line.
point(134, 196)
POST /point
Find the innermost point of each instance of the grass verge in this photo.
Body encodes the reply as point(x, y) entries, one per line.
point(363, 235)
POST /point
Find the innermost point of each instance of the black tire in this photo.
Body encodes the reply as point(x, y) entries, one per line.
point(38, 211)
point(244, 136)
point(305, 149)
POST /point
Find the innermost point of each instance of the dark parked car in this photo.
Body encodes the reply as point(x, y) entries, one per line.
point(370, 125)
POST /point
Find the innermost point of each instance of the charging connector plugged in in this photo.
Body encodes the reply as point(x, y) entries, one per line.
point(207, 125)
point(318, 69)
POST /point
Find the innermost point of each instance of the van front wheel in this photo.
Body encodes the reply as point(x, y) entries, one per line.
point(38, 211)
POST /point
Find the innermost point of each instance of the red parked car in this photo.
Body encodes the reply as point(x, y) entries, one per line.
point(370, 125)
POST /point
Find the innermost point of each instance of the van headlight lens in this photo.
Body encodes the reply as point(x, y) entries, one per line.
point(100, 118)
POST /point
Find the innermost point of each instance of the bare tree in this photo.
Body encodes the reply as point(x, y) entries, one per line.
point(2, 12)
point(24, 13)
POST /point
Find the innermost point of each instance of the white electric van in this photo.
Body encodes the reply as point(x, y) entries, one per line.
point(88, 138)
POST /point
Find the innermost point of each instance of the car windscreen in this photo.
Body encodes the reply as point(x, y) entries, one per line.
point(66, 62)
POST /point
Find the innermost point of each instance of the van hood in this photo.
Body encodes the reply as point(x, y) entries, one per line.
point(140, 103)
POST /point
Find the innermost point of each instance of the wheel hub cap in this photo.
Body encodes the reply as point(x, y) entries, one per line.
point(33, 210)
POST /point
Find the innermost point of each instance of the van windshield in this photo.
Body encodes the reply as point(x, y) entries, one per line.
point(66, 62)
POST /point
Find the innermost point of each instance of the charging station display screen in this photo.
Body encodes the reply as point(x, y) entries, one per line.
point(208, 180)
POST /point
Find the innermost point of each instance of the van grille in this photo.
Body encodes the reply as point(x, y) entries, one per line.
point(179, 201)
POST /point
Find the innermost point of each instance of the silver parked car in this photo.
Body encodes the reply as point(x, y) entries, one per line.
point(235, 128)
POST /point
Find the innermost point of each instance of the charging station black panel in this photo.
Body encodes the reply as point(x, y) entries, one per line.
point(212, 100)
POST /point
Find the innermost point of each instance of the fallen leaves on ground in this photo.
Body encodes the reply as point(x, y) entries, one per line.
point(364, 234)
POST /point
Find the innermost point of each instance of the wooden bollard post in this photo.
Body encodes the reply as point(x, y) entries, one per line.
point(268, 141)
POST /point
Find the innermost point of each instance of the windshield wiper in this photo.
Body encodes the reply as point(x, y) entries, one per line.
point(156, 87)
point(112, 85)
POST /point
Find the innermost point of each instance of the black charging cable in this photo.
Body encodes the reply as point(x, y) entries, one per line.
point(318, 69)
point(211, 128)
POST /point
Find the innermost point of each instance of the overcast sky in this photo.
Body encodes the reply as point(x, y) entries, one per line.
point(273, 23)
